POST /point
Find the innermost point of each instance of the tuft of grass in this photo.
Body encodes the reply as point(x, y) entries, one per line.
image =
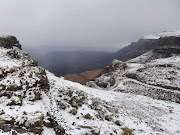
point(127, 131)
point(117, 122)
point(2, 122)
point(37, 96)
point(11, 70)
point(108, 118)
point(21, 100)
point(41, 118)
point(62, 106)
point(70, 93)
point(12, 88)
point(73, 111)
point(88, 116)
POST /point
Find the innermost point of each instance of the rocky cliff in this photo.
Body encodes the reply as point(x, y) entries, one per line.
point(148, 42)
point(21, 84)
point(142, 46)
point(168, 45)
point(9, 42)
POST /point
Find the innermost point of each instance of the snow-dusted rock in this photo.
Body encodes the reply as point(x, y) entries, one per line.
point(9, 42)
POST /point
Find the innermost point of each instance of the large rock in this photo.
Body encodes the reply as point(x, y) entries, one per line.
point(9, 42)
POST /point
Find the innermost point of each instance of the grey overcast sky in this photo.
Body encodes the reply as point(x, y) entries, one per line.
point(95, 23)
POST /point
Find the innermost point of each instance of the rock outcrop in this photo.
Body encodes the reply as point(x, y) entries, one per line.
point(9, 42)
point(142, 46)
point(168, 45)
point(159, 42)
point(22, 83)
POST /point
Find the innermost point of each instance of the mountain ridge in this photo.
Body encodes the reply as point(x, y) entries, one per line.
point(166, 49)
point(35, 101)
point(145, 44)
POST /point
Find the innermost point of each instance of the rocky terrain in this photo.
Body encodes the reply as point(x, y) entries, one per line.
point(146, 43)
point(9, 42)
point(154, 74)
point(138, 97)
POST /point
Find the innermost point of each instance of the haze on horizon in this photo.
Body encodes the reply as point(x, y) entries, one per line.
point(86, 23)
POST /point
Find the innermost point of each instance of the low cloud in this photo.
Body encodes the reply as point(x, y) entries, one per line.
point(90, 23)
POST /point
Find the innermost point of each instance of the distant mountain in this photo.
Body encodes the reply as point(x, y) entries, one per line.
point(161, 64)
point(70, 62)
point(62, 63)
point(89, 75)
point(145, 43)
point(125, 50)
point(142, 46)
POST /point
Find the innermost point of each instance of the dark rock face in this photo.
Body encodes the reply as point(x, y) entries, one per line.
point(164, 45)
point(169, 41)
point(142, 46)
point(146, 44)
point(168, 45)
point(9, 42)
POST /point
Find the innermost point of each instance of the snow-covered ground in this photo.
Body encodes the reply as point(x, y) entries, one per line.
point(25, 102)
point(142, 114)
point(163, 34)
point(163, 71)
point(6, 61)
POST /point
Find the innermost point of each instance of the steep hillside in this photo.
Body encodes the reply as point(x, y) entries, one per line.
point(142, 46)
point(125, 50)
point(154, 74)
point(34, 101)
